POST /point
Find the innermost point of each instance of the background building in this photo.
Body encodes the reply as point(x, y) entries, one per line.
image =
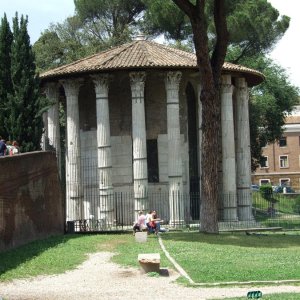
point(281, 163)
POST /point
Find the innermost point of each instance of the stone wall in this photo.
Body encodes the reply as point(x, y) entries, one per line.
point(31, 205)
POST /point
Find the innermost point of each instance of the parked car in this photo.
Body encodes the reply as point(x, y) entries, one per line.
point(280, 189)
point(255, 187)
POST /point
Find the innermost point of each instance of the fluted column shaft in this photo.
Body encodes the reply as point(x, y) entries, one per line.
point(74, 202)
point(243, 153)
point(228, 151)
point(176, 204)
point(45, 138)
point(140, 171)
point(53, 132)
point(104, 148)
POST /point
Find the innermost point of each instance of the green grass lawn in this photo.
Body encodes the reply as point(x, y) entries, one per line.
point(238, 257)
point(58, 254)
point(206, 258)
point(287, 210)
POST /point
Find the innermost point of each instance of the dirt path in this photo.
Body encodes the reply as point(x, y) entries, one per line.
point(98, 278)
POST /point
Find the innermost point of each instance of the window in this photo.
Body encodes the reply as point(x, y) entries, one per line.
point(152, 161)
point(264, 181)
point(264, 162)
point(282, 142)
point(285, 181)
point(283, 161)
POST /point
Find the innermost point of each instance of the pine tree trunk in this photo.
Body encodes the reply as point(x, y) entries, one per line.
point(210, 159)
point(210, 68)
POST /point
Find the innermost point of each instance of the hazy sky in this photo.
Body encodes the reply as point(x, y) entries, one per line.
point(43, 12)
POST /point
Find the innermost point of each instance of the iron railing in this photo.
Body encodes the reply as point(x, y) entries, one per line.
point(119, 213)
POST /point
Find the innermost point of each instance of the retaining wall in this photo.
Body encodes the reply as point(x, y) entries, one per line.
point(31, 202)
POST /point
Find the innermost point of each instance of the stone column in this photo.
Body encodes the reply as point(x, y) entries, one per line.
point(228, 151)
point(45, 138)
point(105, 206)
point(176, 204)
point(243, 154)
point(140, 171)
point(74, 194)
point(53, 132)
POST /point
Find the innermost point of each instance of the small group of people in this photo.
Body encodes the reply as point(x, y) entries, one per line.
point(8, 147)
point(149, 222)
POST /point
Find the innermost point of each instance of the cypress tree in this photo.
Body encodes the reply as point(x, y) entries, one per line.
point(25, 120)
point(6, 38)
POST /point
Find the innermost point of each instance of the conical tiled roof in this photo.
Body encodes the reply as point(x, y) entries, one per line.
point(140, 54)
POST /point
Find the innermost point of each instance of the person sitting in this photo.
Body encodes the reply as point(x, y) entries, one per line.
point(139, 225)
point(155, 223)
point(149, 223)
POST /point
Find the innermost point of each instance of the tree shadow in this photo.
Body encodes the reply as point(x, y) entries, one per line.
point(13, 258)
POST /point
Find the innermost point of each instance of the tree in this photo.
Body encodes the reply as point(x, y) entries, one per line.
point(24, 121)
point(164, 17)
point(270, 103)
point(61, 44)
point(254, 27)
point(210, 68)
point(5, 70)
point(96, 26)
point(110, 21)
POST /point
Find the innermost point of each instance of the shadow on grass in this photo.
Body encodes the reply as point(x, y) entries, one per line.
point(13, 258)
point(255, 240)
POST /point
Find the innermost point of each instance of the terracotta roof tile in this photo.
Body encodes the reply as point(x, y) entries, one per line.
point(141, 54)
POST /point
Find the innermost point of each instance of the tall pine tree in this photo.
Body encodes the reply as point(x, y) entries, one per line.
point(6, 39)
point(24, 103)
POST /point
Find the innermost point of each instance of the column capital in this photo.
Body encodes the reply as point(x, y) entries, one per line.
point(101, 82)
point(51, 90)
point(71, 86)
point(137, 82)
point(137, 77)
point(241, 85)
point(173, 78)
point(226, 85)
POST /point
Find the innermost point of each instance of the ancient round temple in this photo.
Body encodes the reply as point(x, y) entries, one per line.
point(133, 132)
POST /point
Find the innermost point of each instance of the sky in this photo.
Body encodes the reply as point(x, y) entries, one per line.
point(41, 13)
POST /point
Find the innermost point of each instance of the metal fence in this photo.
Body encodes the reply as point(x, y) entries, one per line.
point(119, 212)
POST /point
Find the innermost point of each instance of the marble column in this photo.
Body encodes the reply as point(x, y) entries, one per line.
point(105, 206)
point(74, 193)
point(139, 146)
point(45, 138)
point(53, 132)
point(243, 153)
point(176, 204)
point(228, 151)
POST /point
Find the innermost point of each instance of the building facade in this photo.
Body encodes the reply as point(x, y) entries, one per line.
point(133, 125)
point(281, 160)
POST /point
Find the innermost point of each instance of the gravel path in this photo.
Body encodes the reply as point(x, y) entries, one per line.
point(98, 278)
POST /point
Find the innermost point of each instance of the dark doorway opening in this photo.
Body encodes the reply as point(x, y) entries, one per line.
point(193, 152)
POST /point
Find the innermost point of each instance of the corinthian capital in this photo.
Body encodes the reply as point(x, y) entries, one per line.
point(101, 83)
point(51, 91)
point(71, 87)
point(137, 77)
point(226, 85)
point(173, 79)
